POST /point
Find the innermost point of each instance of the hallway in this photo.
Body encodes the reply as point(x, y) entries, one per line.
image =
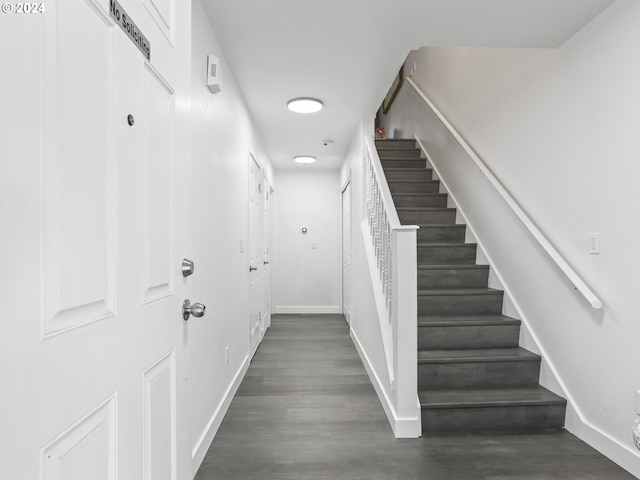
point(306, 410)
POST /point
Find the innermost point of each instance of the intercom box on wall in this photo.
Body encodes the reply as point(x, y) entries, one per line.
point(213, 73)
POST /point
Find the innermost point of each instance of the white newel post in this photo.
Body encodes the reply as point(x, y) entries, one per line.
point(405, 330)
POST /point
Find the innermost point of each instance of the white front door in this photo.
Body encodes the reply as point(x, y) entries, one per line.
point(256, 325)
point(92, 342)
point(346, 252)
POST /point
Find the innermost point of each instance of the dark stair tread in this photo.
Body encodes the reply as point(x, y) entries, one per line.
point(424, 209)
point(452, 266)
point(413, 180)
point(477, 355)
point(440, 225)
point(405, 169)
point(488, 397)
point(465, 320)
point(393, 143)
point(446, 244)
point(418, 194)
point(405, 159)
point(458, 291)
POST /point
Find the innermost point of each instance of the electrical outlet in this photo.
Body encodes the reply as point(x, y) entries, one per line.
point(638, 402)
point(226, 356)
point(241, 245)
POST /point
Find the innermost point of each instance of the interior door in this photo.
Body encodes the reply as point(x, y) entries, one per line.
point(346, 251)
point(266, 248)
point(100, 389)
point(256, 296)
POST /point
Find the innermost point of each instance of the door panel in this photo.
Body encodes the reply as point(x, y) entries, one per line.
point(160, 420)
point(86, 450)
point(78, 177)
point(159, 110)
point(163, 13)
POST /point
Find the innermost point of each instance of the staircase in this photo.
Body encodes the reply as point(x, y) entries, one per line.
point(472, 375)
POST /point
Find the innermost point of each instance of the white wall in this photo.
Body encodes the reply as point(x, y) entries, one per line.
point(222, 138)
point(559, 129)
point(307, 280)
point(365, 328)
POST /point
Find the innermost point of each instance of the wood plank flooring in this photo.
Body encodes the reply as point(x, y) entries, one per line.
point(307, 410)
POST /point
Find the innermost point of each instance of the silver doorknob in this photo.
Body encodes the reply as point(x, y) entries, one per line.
point(197, 309)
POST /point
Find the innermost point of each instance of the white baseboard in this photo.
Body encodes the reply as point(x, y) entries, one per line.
point(307, 310)
point(206, 438)
point(621, 454)
point(402, 427)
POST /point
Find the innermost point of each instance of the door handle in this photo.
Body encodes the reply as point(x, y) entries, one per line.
point(265, 263)
point(197, 309)
point(251, 269)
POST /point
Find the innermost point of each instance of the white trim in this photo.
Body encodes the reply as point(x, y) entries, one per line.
point(303, 309)
point(408, 427)
point(575, 421)
point(618, 452)
point(206, 438)
point(571, 274)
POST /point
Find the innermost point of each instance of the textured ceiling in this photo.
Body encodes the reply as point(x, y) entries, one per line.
point(347, 52)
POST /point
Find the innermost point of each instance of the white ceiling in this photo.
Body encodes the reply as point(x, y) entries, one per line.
point(347, 52)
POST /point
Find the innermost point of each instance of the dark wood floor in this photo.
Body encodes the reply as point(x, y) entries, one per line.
point(307, 410)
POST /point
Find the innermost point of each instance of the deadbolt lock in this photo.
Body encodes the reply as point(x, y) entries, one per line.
point(187, 267)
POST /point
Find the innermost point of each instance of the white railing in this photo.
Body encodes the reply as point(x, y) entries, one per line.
point(393, 267)
point(562, 264)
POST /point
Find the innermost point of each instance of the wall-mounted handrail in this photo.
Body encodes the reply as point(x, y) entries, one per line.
point(571, 274)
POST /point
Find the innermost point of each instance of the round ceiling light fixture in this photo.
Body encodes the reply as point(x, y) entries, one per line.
point(304, 105)
point(304, 159)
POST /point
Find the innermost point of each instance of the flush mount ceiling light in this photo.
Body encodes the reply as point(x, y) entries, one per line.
point(304, 105)
point(304, 159)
